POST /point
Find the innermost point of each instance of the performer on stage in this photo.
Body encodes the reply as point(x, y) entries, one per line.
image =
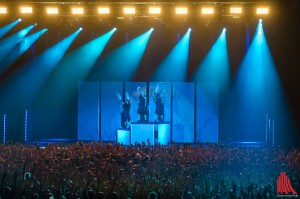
point(125, 110)
point(142, 106)
point(159, 109)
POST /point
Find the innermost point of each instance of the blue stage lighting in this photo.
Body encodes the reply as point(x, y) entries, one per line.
point(122, 63)
point(260, 20)
point(174, 66)
point(152, 29)
point(80, 29)
point(258, 90)
point(19, 49)
point(224, 29)
point(215, 66)
point(35, 73)
point(114, 29)
point(73, 68)
point(9, 43)
point(19, 19)
point(189, 29)
point(4, 30)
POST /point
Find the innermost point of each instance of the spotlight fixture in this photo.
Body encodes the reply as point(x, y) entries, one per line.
point(262, 11)
point(151, 29)
point(154, 10)
point(52, 11)
point(129, 10)
point(207, 11)
point(35, 24)
point(80, 28)
point(77, 11)
point(20, 19)
point(3, 10)
point(181, 10)
point(114, 29)
point(189, 29)
point(26, 10)
point(224, 29)
point(103, 10)
point(235, 10)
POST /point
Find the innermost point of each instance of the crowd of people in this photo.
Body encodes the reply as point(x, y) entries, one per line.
point(96, 170)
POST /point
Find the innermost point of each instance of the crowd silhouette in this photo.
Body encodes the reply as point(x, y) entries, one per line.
point(96, 170)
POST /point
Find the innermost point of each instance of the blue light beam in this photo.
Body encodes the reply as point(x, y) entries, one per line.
point(34, 74)
point(215, 66)
point(123, 62)
point(9, 43)
point(19, 49)
point(4, 30)
point(76, 66)
point(174, 66)
point(258, 90)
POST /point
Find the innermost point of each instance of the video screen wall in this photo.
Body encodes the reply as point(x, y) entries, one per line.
point(190, 108)
point(110, 109)
point(183, 109)
point(88, 110)
point(163, 89)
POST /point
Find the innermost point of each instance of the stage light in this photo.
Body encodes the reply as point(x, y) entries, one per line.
point(77, 11)
point(207, 11)
point(80, 29)
point(235, 10)
point(26, 10)
point(181, 10)
point(129, 10)
point(35, 24)
point(114, 29)
point(103, 10)
point(151, 29)
point(262, 11)
point(189, 29)
point(154, 10)
point(224, 29)
point(52, 11)
point(20, 19)
point(3, 10)
point(260, 20)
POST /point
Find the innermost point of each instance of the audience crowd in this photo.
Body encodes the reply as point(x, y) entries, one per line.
point(96, 170)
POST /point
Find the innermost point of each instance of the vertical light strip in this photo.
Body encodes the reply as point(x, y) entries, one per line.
point(4, 129)
point(273, 132)
point(26, 125)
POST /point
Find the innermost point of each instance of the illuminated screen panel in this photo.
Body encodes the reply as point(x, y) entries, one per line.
point(164, 90)
point(88, 111)
point(110, 110)
point(207, 113)
point(131, 89)
point(183, 112)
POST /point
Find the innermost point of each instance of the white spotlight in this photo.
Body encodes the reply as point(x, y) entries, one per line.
point(151, 29)
point(19, 19)
point(80, 29)
point(189, 29)
point(114, 29)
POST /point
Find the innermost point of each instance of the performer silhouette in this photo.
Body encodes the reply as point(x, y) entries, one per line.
point(125, 110)
point(142, 106)
point(159, 109)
